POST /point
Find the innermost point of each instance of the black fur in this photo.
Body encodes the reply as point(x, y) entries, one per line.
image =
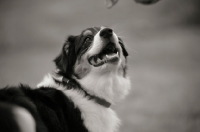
point(125, 52)
point(51, 109)
point(66, 59)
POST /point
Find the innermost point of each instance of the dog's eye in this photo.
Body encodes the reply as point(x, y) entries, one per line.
point(86, 44)
point(88, 39)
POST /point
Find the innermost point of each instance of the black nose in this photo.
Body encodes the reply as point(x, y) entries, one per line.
point(106, 33)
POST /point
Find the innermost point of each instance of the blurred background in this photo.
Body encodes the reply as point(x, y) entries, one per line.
point(162, 40)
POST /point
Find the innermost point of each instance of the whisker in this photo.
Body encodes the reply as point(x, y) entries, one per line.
point(114, 26)
point(126, 45)
point(122, 36)
point(121, 32)
point(118, 34)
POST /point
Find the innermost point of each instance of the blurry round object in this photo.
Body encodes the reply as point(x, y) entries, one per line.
point(146, 2)
point(111, 3)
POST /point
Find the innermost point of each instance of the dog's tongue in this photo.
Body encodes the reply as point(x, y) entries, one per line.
point(110, 58)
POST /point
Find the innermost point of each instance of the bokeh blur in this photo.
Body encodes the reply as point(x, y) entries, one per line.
point(162, 40)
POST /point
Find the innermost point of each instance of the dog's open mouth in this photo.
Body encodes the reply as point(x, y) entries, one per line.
point(109, 54)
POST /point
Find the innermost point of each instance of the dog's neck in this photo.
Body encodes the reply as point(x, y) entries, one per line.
point(111, 86)
point(104, 89)
point(69, 83)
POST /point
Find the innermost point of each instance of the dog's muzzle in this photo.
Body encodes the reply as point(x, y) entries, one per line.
point(109, 54)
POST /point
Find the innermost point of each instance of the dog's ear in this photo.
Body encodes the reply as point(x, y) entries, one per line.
point(64, 60)
point(125, 52)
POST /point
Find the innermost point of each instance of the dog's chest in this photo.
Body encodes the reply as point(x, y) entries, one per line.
point(96, 118)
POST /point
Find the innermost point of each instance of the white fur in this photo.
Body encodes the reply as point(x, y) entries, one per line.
point(111, 86)
point(96, 117)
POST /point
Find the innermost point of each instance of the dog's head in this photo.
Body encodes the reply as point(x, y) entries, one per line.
point(94, 50)
point(97, 60)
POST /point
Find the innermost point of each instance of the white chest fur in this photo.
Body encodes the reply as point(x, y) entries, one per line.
point(96, 117)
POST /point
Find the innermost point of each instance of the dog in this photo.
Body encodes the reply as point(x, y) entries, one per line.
point(90, 76)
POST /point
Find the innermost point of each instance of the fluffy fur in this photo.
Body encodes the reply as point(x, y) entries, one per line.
point(91, 72)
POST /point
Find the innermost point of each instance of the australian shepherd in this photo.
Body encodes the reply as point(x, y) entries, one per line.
point(90, 76)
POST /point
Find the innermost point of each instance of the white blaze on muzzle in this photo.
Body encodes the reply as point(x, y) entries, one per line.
point(105, 48)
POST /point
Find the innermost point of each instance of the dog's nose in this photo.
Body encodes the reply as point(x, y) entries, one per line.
point(106, 33)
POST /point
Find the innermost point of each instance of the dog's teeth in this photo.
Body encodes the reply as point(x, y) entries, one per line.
point(95, 58)
point(98, 60)
point(117, 54)
point(107, 56)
